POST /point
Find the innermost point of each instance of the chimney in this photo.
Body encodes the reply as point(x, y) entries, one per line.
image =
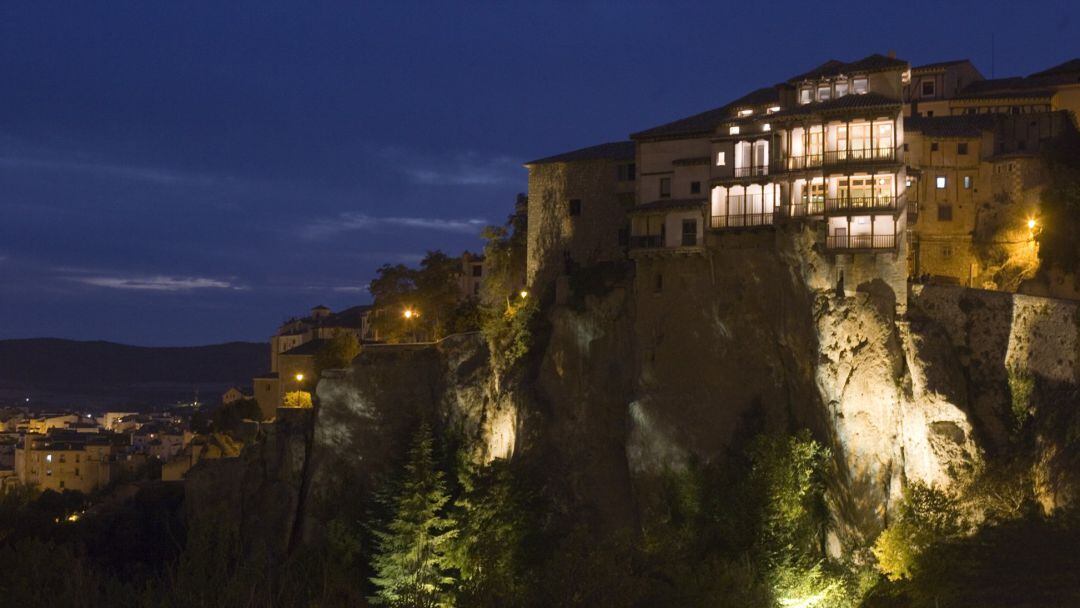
point(891, 54)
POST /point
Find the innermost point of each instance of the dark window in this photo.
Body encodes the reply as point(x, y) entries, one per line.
point(627, 173)
point(695, 187)
point(934, 146)
point(575, 206)
point(477, 270)
point(665, 187)
point(905, 147)
point(944, 213)
point(929, 113)
point(476, 289)
point(961, 148)
point(1021, 145)
point(689, 233)
point(928, 88)
point(624, 237)
point(946, 251)
point(658, 283)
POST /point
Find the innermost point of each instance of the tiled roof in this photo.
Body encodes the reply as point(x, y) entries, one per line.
point(616, 150)
point(706, 122)
point(670, 203)
point(964, 125)
point(1070, 67)
point(307, 348)
point(937, 65)
point(847, 102)
point(833, 67)
point(1004, 87)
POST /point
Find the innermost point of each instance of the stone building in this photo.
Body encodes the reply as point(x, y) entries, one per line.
point(888, 170)
point(66, 460)
point(821, 152)
point(577, 209)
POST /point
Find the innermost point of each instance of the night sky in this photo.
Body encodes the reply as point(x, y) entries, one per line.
point(194, 172)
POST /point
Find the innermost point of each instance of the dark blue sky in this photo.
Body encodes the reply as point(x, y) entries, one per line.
point(194, 172)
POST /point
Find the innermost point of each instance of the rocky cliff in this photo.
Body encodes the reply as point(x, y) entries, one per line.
point(685, 358)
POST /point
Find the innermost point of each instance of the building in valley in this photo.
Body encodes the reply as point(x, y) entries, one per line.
point(66, 460)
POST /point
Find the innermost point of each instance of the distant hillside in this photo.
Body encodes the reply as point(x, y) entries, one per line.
point(85, 373)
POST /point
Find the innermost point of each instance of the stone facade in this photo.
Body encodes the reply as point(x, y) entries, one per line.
point(577, 208)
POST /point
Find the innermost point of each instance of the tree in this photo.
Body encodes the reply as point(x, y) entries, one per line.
point(337, 353)
point(496, 518)
point(229, 417)
point(926, 516)
point(297, 399)
point(411, 564)
point(431, 293)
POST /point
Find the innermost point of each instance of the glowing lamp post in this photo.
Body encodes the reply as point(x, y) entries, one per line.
point(410, 314)
point(299, 379)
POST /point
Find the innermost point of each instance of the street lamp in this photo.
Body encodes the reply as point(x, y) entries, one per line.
point(524, 294)
point(299, 379)
point(1031, 223)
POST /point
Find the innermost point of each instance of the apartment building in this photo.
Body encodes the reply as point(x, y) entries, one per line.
point(65, 460)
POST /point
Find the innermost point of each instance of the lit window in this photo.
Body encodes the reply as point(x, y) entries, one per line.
point(746, 112)
point(733, 131)
point(859, 86)
point(824, 93)
point(773, 109)
point(48, 458)
point(721, 159)
point(940, 182)
point(967, 182)
point(841, 88)
point(805, 95)
point(766, 127)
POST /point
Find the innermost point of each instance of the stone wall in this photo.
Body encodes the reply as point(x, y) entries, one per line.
point(587, 238)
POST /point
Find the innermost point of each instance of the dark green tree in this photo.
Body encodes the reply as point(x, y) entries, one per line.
point(411, 566)
point(337, 353)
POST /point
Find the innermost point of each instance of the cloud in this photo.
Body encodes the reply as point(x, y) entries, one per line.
point(154, 283)
point(125, 172)
point(349, 222)
point(453, 169)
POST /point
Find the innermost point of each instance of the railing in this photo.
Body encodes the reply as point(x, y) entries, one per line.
point(794, 163)
point(860, 203)
point(837, 157)
point(649, 241)
point(751, 171)
point(861, 241)
point(744, 220)
point(813, 207)
point(857, 155)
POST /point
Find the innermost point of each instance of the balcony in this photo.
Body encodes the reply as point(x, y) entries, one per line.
point(752, 171)
point(745, 220)
point(798, 210)
point(860, 204)
point(649, 241)
point(833, 158)
point(861, 242)
point(861, 155)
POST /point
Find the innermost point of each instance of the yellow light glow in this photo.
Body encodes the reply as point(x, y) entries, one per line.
point(1031, 224)
point(73, 517)
point(299, 377)
point(408, 314)
point(524, 294)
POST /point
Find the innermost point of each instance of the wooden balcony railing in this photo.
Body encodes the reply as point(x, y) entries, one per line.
point(861, 241)
point(751, 171)
point(840, 157)
point(803, 209)
point(648, 241)
point(860, 203)
point(744, 220)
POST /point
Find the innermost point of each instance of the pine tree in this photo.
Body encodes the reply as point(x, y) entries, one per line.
point(411, 565)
